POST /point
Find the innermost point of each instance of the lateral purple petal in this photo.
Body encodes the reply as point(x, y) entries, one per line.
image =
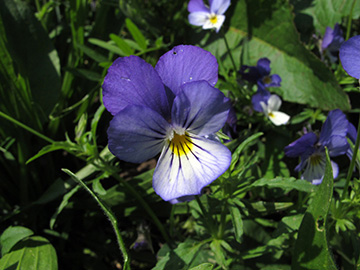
point(351, 133)
point(137, 134)
point(262, 95)
point(197, 5)
point(200, 108)
point(337, 145)
point(335, 124)
point(275, 81)
point(185, 63)
point(302, 146)
point(132, 81)
point(350, 56)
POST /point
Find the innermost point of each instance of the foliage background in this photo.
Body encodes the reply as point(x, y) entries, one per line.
point(53, 58)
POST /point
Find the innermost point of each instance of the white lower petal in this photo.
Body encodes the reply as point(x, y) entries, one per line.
point(184, 175)
point(278, 118)
point(198, 18)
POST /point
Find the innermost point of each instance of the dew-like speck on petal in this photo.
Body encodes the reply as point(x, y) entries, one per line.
point(126, 79)
point(190, 78)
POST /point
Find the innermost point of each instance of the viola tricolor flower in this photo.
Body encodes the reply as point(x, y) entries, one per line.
point(260, 74)
point(208, 17)
point(262, 95)
point(311, 148)
point(350, 56)
point(332, 40)
point(172, 109)
point(271, 110)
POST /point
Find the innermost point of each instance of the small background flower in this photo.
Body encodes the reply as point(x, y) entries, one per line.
point(350, 56)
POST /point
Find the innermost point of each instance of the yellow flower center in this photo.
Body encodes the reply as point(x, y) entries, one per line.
point(271, 115)
point(267, 80)
point(180, 144)
point(213, 19)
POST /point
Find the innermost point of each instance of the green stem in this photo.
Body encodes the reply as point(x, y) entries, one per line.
point(348, 28)
point(229, 51)
point(109, 214)
point(33, 131)
point(207, 218)
point(146, 207)
point(352, 163)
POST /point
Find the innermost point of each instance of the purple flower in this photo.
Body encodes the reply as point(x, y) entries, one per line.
point(169, 110)
point(262, 95)
point(351, 134)
point(260, 74)
point(208, 17)
point(350, 56)
point(311, 148)
point(333, 38)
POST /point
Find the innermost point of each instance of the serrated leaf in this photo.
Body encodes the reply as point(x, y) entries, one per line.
point(311, 247)
point(136, 34)
point(265, 29)
point(11, 236)
point(33, 253)
point(285, 183)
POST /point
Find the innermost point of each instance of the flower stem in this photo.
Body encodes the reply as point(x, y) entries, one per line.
point(207, 218)
point(229, 51)
point(352, 163)
point(33, 131)
point(109, 214)
point(348, 28)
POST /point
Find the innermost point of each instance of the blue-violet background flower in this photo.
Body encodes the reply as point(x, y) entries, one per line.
point(350, 56)
point(311, 148)
point(331, 42)
point(169, 109)
point(208, 17)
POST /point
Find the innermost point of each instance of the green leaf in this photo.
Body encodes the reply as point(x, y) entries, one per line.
point(269, 207)
point(50, 148)
point(11, 236)
point(98, 57)
point(32, 253)
point(136, 34)
point(33, 52)
point(107, 46)
point(203, 266)
point(180, 257)
point(311, 247)
point(122, 44)
point(236, 220)
point(285, 183)
point(261, 28)
point(328, 12)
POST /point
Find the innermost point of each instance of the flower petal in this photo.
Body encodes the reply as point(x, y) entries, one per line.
point(335, 124)
point(263, 66)
point(177, 176)
point(197, 5)
point(275, 81)
point(217, 25)
point(301, 146)
point(274, 103)
point(132, 81)
point(350, 56)
point(262, 95)
point(185, 63)
point(198, 18)
point(279, 118)
point(219, 6)
point(314, 173)
point(337, 145)
point(137, 134)
point(200, 108)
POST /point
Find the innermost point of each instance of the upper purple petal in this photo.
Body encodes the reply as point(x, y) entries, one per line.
point(132, 81)
point(200, 108)
point(137, 133)
point(328, 37)
point(335, 124)
point(219, 6)
point(262, 95)
point(333, 38)
point(263, 66)
point(350, 56)
point(303, 146)
point(185, 63)
point(275, 81)
point(197, 5)
point(249, 73)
